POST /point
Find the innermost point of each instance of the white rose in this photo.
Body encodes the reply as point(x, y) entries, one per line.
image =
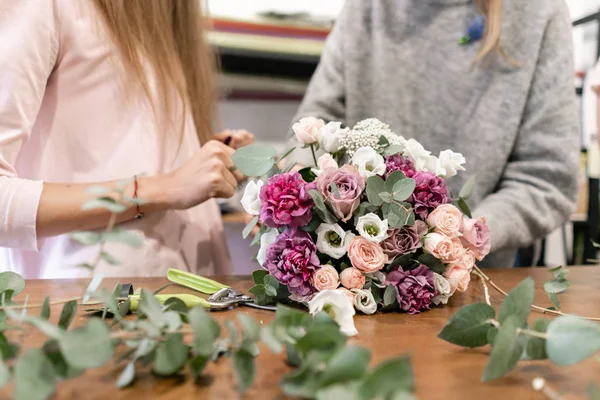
point(266, 239)
point(333, 240)
point(308, 130)
point(442, 288)
point(372, 228)
point(415, 151)
point(324, 162)
point(429, 164)
point(331, 134)
point(338, 306)
point(369, 162)
point(250, 200)
point(364, 301)
point(451, 162)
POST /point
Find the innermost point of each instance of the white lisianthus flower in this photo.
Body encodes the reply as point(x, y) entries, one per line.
point(369, 162)
point(331, 134)
point(333, 240)
point(429, 164)
point(414, 150)
point(442, 289)
point(372, 228)
point(266, 239)
point(364, 301)
point(451, 163)
point(377, 279)
point(324, 162)
point(250, 200)
point(338, 306)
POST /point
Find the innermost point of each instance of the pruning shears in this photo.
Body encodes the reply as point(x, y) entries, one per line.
point(222, 297)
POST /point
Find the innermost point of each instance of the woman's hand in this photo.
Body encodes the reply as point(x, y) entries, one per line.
point(235, 138)
point(208, 174)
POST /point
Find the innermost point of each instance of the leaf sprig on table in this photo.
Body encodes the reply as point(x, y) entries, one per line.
point(169, 338)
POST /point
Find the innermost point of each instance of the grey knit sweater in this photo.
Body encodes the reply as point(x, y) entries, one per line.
point(400, 61)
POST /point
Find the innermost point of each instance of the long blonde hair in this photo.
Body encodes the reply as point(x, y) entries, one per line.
point(168, 36)
point(492, 43)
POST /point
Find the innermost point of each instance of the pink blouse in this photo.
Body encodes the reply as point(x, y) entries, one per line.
point(64, 119)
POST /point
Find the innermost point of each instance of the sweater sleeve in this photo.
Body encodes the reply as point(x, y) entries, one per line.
point(539, 186)
point(28, 51)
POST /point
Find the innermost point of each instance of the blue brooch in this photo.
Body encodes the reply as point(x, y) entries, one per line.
point(475, 31)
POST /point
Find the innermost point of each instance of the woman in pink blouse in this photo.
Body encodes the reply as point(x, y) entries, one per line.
point(94, 92)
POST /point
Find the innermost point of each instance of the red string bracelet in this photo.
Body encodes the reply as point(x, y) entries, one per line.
point(138, 214)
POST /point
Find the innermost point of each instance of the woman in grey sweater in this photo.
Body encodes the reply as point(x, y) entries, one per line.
point(512, 114)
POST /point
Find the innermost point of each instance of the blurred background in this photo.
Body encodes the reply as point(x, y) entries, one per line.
point(268, 51)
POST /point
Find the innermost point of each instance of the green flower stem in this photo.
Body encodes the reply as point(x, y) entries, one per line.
point(540, 335)
point(312, 149)
point(543, 310)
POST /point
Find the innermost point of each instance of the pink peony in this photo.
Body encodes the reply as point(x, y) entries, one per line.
point(326, 278)
point(447, 220)
point(308, 130)
point(352, 278)
point(292, 260)
point(476, 237)
point(396, 162)
point(366, 256)
point(285, 201)
point(403, 241)
point(442, 247)
point(431, 192)
point(415, 289)
point(350, 186)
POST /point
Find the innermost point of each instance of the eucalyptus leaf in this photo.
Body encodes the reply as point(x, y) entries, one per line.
point(270, 291)
point(556, 286)
point(206, 331)
point(11, 281)
point(432, 263)
point(324, 338)
point(248, 229)
point(389, 296)
point(387, 378)
point(469, 326)
point(464, 207)
point(260, 294)
point(404, 189)
point(120, 235)
point(250, 328)
point(177, 305)
point(127, 376)
point(258, 276)
point(106, 203)
point(244, 368)
point(335, 190)
point(171, 355)
point(394, 149)
point(314, 223)
point(346, 391)
point(398, 214)
point(572, 339)
point(173, 320)
point(93, 286)
point(307, 174)
point(554, 299)
point(45, 313)
point(197, 365)
point(87, 347)
point(150, 306)
point(4, 373)
point(491, 335)
point(536, 347)
point(8, 350)
point(34, 376)
point(232, 332)
point(393, 179)
point(518, 302)
point(348, 364)
point(507, 349)
point(322, 209)
point(467, 190)
point(86, 238)
point(304, 381)
point(109, 258)
point(254, 160)
point(383, 141)
point(270, 280)
point(267, 336)
point(61, 367)
point(98, 190)
point(375, 185)
point(386, 197)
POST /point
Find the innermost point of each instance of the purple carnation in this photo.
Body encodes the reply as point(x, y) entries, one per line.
point(396, 162)
point(292, 260)
point(286, 201)
point(430, 192)
point(414, 288)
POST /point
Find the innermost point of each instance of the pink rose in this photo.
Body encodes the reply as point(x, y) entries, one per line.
point(476, 237)
point(458, 277)
point(352, 278)
point(308, 130)
point(350, 186)
point(326, 161)
point(447, 220)
point(466, 259)
point(366, 256)
point(325, 278)
point(442, 247)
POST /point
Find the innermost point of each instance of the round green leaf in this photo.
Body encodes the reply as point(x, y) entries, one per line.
point(206, 331)
point(244, 368)
point(87, 347)
point(250, 328)
point(403, 189)
point(536, 347)
point(34, 376)
point(348, 364)
point(572, 339)
point(171, 355)
point(11, 281)
point(507, 350)
point(258, 276)
point(389, 377)
point(254, 160)
point(518, 302)
point(556, 286)
point(469, 326)
point(4, 373)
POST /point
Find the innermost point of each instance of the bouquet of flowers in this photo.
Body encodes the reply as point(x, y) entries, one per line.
point(372, 221)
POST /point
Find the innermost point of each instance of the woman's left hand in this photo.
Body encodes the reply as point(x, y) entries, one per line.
point(235, 138)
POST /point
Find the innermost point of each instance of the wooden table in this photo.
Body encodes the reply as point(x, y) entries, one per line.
point(443, 371)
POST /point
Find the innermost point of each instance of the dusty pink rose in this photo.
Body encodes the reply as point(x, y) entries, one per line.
point(352, 278)
point(350, 186)
point(476, 237)
point(415, 289)
point(447, 220)
point(326, 278)
point(458, 276)
point(308, 130)
point(286, 201)
point(403, 241)
point(366, 256)
point(442, 247)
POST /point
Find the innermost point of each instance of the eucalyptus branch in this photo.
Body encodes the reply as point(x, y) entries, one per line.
point(486, 290)
point(540, 335)
point(29, 306)
point(533, 307)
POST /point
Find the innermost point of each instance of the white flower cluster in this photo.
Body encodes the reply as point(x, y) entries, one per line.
point(366, 133)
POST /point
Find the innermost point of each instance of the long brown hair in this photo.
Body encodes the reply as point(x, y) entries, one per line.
point(168, 36)
point(492, 43)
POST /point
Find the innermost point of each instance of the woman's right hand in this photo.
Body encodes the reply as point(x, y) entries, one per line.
point(208, 174)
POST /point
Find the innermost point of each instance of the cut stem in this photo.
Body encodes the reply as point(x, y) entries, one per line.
point(533, 307)
point(486, 290)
